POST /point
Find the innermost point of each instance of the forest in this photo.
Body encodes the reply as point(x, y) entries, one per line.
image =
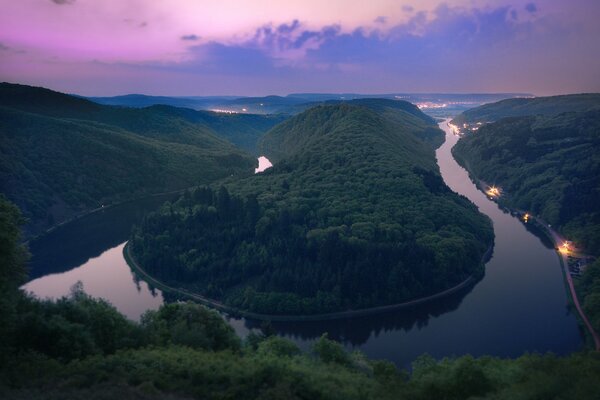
point(529, 106)
point(354, 214)
point(82, 348)
point(548, 166)
point(61, 155)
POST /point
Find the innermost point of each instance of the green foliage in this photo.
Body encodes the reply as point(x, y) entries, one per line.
point(61, 155)
point(589, 290)
point(189, 325)
point(330, 351)
point(520, 107)
point(354, 214)
point(82, 348)
point(549, 166)
point(13, 256)
point(278, 347)
point(73, 327)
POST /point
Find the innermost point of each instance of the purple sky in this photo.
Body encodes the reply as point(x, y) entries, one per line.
point(258, 47)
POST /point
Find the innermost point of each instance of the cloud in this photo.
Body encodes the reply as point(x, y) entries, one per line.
point(289, 43)
point(3, 47)
point(531, 8)
point(62, 2)
point(498, 46)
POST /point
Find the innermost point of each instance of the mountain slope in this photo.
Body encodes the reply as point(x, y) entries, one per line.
point(62, 155)
point(546, 165)
point(293, 135)
point(519, 107)
point(354, 214)
point(173, 124)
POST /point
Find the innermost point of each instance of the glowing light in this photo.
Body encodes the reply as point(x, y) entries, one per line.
point(565, 247)
point(219, 110)
point(493, 191)
point(526, 217)
point(454, 128)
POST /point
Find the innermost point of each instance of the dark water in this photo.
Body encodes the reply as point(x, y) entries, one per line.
point(520, 305)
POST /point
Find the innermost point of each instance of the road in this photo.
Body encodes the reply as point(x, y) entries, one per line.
point(558, 241)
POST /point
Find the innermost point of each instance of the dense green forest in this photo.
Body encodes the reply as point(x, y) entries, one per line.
point(354, 214)
point(82, 348)
point(60, 154)
point(529, 106)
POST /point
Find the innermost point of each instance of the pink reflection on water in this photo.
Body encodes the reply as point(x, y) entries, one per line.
point(107, 276)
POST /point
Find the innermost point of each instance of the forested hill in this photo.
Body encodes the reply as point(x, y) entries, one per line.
point(519, 107)
point(296, 134)
point(61, 155)
point(243, 130)
point(181, 125)
point(354, 214)
point(548, 166)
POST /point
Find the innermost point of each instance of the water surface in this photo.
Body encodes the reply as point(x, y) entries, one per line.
point(520, 305)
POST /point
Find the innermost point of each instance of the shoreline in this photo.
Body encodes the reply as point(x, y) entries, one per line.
point(87, 213)
point(234, 312)
point(555, 238)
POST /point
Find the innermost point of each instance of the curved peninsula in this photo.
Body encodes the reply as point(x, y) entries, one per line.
point(353, 215)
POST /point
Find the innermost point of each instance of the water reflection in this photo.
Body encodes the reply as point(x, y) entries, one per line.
point(520, 305)
point(72, 245)
point(106, 276)
point(355, 332)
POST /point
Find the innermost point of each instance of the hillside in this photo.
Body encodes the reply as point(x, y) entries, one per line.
point(519, 107)
point(548, 166)
point(354, 214)
point(243, 130)
point(164, 122)
point(62, 155)
point(293, 135)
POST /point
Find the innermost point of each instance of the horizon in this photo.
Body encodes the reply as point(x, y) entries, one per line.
point(189, 48)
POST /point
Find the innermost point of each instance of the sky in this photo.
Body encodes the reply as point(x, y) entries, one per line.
point(260, 47)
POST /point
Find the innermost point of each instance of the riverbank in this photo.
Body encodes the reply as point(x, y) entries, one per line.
point(295, 318)
point(557, 241)
point(87, 213)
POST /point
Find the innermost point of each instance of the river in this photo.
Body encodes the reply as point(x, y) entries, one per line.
point(519, 306)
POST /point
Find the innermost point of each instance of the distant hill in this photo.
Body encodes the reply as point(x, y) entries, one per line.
point(243, 130)
point(519, 107)
point(141, 100)
point(353, 214)
point(292, 136)
point(435, 104)
point(62, 154)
